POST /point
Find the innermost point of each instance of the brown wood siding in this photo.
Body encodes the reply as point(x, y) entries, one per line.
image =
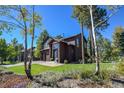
point(45, 55)
point(63, 52)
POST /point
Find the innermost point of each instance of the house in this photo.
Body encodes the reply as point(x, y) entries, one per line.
point(21, 56)
point(63, 49)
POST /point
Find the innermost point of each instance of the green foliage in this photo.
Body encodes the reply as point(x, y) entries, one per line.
point(2, 68)
point(120, 68)
point(82, 14)
point(104, 49)
point(118, 42)
point(42, 37)
point(3, 50)
point(11, 52)
point(48, 78)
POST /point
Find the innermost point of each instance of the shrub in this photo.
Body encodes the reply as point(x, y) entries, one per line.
point(74, 74)
point(120, 68)
point(86, 74)
point(48, 79)
point(65, 61)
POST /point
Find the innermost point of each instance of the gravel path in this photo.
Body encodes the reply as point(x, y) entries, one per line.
point(45, 63)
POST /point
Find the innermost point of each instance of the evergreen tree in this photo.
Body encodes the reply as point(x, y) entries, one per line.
point(42, 37)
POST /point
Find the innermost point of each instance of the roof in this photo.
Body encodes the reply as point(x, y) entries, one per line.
point(63, 39)
point(75, 36)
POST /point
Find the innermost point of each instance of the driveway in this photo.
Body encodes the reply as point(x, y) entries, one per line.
point(45, 63)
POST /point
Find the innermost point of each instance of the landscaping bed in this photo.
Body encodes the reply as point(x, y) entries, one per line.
point(68, 80)
point(11, 80)
point(66, 76)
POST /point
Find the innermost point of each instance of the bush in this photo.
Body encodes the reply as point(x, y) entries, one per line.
point(120, 68)
point(65, 61)
point(73, 74)
point(48, 79)
point(86, 74)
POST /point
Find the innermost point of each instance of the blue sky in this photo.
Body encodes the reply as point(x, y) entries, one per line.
point(57, 20)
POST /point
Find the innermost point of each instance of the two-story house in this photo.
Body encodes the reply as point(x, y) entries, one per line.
point(63, 49)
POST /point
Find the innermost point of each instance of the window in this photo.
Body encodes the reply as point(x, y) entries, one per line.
point(46, 45)
point(56, 46)
point(77, 42)
point(71, 42)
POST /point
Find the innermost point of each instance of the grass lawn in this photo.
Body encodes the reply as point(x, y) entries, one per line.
point(9, 62)
point(36, 68)
point(2, 68)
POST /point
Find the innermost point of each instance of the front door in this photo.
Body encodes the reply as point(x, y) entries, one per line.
point(55, 54)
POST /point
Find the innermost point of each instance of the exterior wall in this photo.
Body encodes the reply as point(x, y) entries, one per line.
point(63, 52)
point(76, 41)
point(77, 47)
point(45, 55)
point(69, 49)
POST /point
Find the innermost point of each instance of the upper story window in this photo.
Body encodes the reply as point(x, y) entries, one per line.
point(77, 42)
point(46, 45)
point(71, 42)
point(56, 46)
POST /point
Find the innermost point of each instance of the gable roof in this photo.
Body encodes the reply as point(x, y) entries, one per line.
point(62, 39)
point(75, 36)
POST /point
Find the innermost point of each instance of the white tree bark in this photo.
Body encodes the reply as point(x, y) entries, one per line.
point(94, 40)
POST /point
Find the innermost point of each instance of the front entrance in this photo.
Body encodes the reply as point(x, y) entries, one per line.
point(55, 54)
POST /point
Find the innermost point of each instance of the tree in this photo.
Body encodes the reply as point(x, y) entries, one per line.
point(118, 42)
point(99, 14)
point(11, 52)
point(94, 41)
point(42, 37)
point(19, 21)
point(14, 43)
point(104, 49)
point(35, 22)
point(20, 48)
point(94, 26)
point(3, 50)
point(80, 14)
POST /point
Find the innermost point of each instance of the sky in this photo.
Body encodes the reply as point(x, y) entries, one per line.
point(57, 20)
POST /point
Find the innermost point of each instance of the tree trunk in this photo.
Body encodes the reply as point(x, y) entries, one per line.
point(32, 43)
point(94, 39)
point(91, 45)
point(92, 54)
point(82, 41)
point(27, 71)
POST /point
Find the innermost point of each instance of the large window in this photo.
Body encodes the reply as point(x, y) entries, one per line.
point(56, 46)
point(46, 45)
point(77, 42)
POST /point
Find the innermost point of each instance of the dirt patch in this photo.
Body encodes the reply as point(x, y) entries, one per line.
point(13, 81)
